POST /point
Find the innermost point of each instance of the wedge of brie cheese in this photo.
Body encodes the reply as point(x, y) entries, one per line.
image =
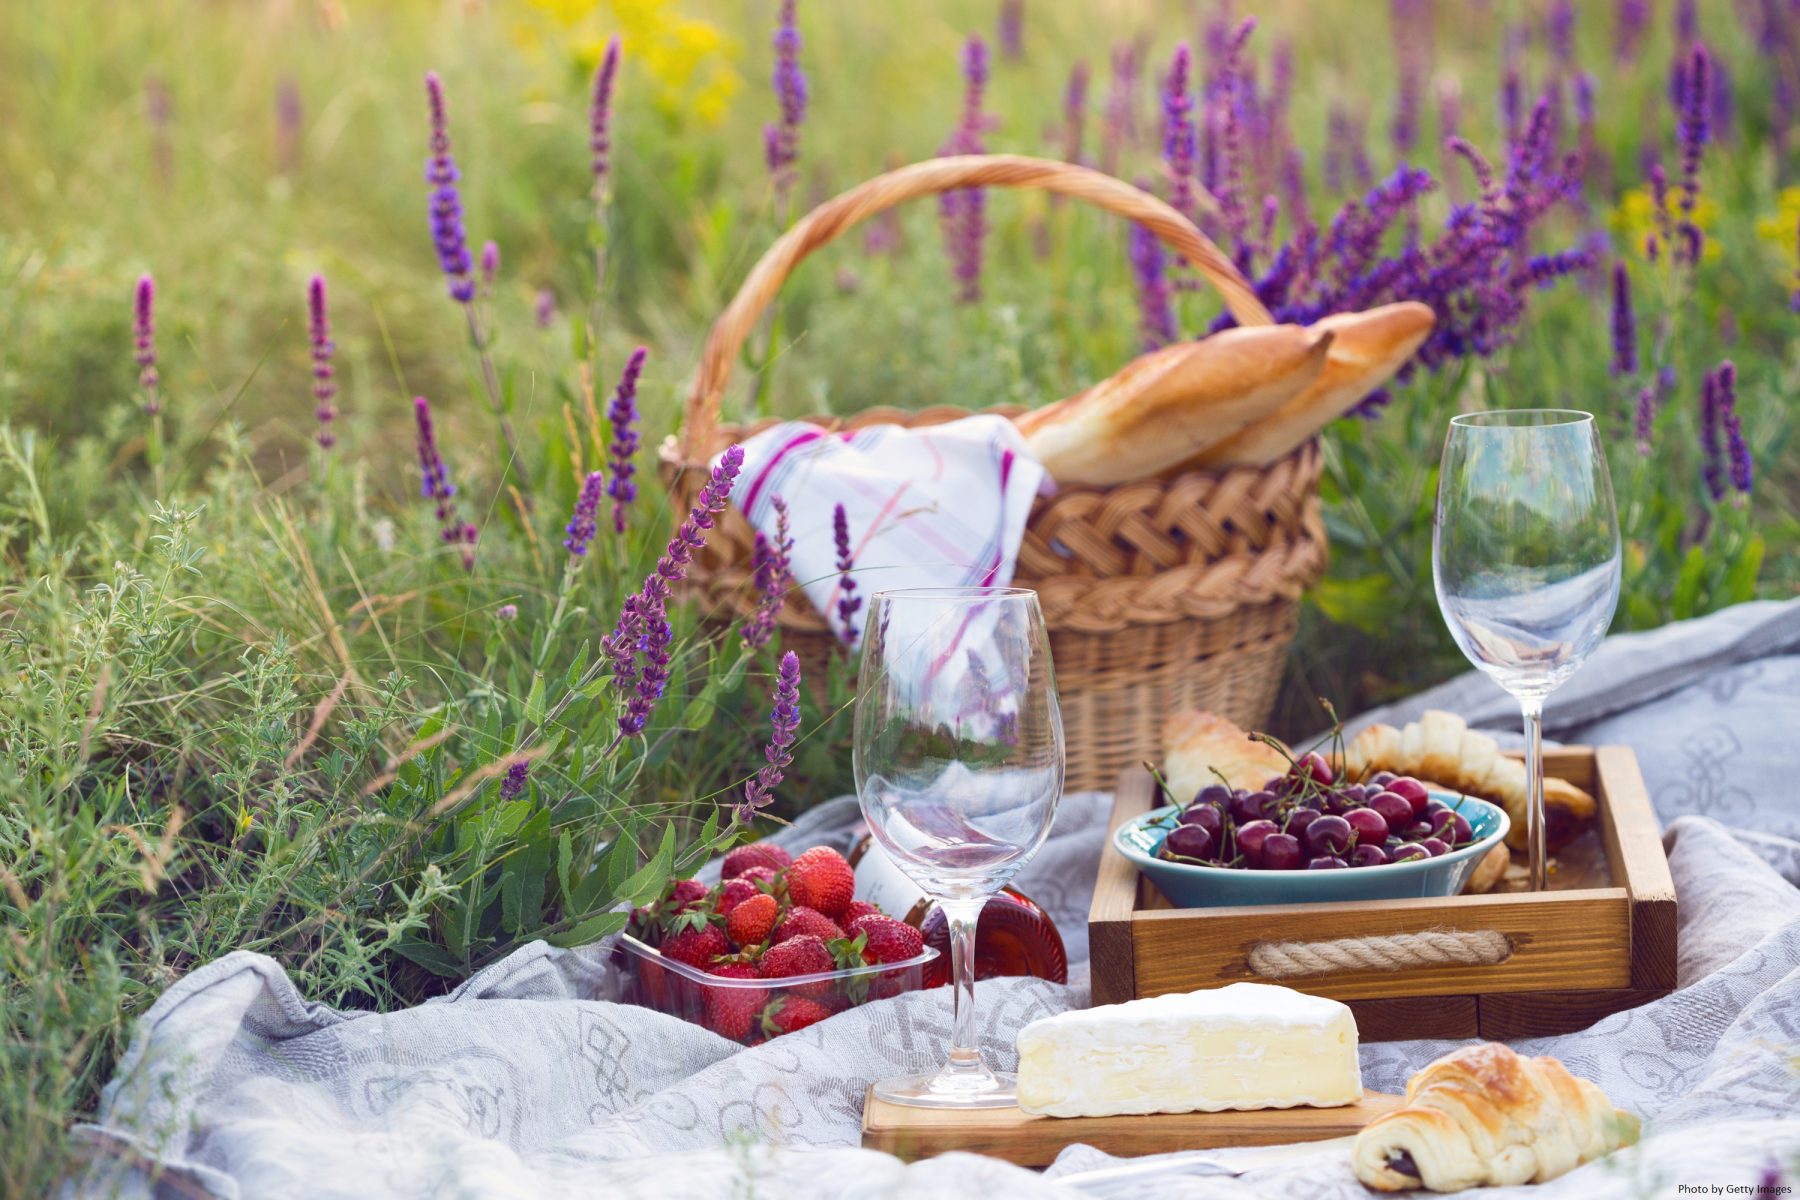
point(1245, 1046)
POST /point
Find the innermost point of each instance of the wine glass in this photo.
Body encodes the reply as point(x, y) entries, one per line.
point(1525, 558)
point(959, 766)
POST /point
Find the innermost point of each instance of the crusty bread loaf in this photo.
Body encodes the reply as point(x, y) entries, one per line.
point(1174, 403)
point(1200, 748)
point(1366, 349)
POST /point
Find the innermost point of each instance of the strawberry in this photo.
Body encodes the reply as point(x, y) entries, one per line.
point(750, 922)
point(821, 879)
point(732, 893)
point(683, 893)
point(763, 879)
point(756, 854)
point(696, 947)
point(801, 955)
point(803, 920)
point(733, 1012)
point(887, 940)
point(791, 1013)
point(859, 908)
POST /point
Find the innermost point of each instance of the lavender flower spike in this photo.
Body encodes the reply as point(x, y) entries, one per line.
point(600, 121)
point(623, 414)
point(324, 378)
point(643, 629)
point(784, 722)
point(848, 601)
point(514, 782)
point(446, 203)
point(490, 265)
point(1646, 419)
point(781, 139)
point(1712, 468)
point(1179, 146)
point(582, 523)
point(143, 329)
point(1011, 30)
point(1624, 323)
point(435, 485)
point(1694, 132)
point(963, 213)
point(1148, 263)
point(774, 575)
point(1736, 449)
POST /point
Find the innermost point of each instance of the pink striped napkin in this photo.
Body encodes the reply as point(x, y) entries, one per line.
point(941, 506)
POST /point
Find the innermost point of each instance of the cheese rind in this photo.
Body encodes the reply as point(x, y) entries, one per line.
point(1245, 1046)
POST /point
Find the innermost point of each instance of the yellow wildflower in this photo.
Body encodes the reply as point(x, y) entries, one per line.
point(1783, 229)
point(1635, 220)
point(690, 63)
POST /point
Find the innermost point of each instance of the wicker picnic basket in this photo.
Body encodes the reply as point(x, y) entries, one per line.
point(1160, 594)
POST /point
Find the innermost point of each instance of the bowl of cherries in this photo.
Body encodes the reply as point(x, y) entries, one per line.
point(1308, 836)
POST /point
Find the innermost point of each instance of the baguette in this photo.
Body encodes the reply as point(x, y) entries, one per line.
point(1174, 403)
point(1201, 748)
point(1366, 349)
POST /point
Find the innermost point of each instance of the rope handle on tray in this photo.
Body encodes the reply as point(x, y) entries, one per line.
point(866, 199)
point(1391, 952)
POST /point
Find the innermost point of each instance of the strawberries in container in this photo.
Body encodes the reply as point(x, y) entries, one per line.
point(778, 944)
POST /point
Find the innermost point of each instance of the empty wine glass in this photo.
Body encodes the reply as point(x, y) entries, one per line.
point(959, 766)
point(1525, 557)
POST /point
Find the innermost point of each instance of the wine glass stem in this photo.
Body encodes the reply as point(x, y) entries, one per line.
point(1537, 859)
point(965, 1054)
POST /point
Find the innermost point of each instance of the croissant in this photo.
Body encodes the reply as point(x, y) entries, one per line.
point(1482, 1116)
point(1201, 748)
point(1440, 748)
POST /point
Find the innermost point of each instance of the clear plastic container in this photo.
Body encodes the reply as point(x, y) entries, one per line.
point(754, 1010)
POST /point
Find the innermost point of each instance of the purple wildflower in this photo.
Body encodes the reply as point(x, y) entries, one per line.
point(643, 630)
point(287, 125)
point(1412, 34)
point(1687, 22)
point(1646, 418)
point(507, 612)
point(600, 121)
point(446, 203)
point(1695, 93)
point(514, 782)
point(490, 265)
point(1736, 449)
point(1178, 131)
point(1794, 300)
point(848, 601)
point(784, 722)
point(1712, 469)
point(963, 213)
point(772, 563)
point(622, 414)
point(582, 522)
point(1075, 102)
point(1559, 31)
point(781, 138)
point(1511, 102)
point(1659, 201)
point(1631, 18)
point(545, 308)
point(1624, 323)
point(1228, 181)
point(1010, 33)
point(143, 328)
point(324, 379)
point(1149, 264)
point(1120, 119)
point(435, 485)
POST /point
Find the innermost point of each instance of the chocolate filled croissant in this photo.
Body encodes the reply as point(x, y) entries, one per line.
point(1483, 1116)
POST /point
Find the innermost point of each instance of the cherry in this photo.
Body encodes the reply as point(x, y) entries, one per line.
point(1435, 846)
point(1462, 832)
point(1251, 836)
point(1313, 766)
point(1409, 852)
point(1395, 810)
point(1329, 835)
point(1368, 856)
point(1326, 862)
point(1213, 793)
point(1300, 820)
point(1207, 817)
point(1281, 852)
point(1188, 841)
point(1370, 826)
point(1411, 790)
point(1382, 778)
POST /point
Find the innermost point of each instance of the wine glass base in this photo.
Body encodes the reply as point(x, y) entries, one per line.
point(945, 1089)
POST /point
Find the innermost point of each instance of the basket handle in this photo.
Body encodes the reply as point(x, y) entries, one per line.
point(833, 217)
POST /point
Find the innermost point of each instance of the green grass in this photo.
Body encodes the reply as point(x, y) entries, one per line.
point(261, 705)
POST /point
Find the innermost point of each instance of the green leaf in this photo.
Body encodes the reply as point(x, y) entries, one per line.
point(431, 956)
point(522, 878)
point(565, 864)
point(590, 930)
point(1686, 595)
point(1740, 579)
point(1366, 603)
point(647, 882)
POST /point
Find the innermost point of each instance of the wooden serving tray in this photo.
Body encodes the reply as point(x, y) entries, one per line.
point(1602, 939)
point(1008, 1133)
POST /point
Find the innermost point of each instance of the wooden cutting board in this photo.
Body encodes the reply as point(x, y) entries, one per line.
point(914, 1133)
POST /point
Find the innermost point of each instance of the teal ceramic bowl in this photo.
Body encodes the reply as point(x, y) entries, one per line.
point(1188, 885)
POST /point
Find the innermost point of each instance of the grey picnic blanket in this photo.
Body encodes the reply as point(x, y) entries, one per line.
point(530, 1081)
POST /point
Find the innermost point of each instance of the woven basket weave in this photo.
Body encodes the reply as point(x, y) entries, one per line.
point(1159, 594)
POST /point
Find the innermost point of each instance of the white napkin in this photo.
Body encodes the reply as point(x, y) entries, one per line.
point(941, 506)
